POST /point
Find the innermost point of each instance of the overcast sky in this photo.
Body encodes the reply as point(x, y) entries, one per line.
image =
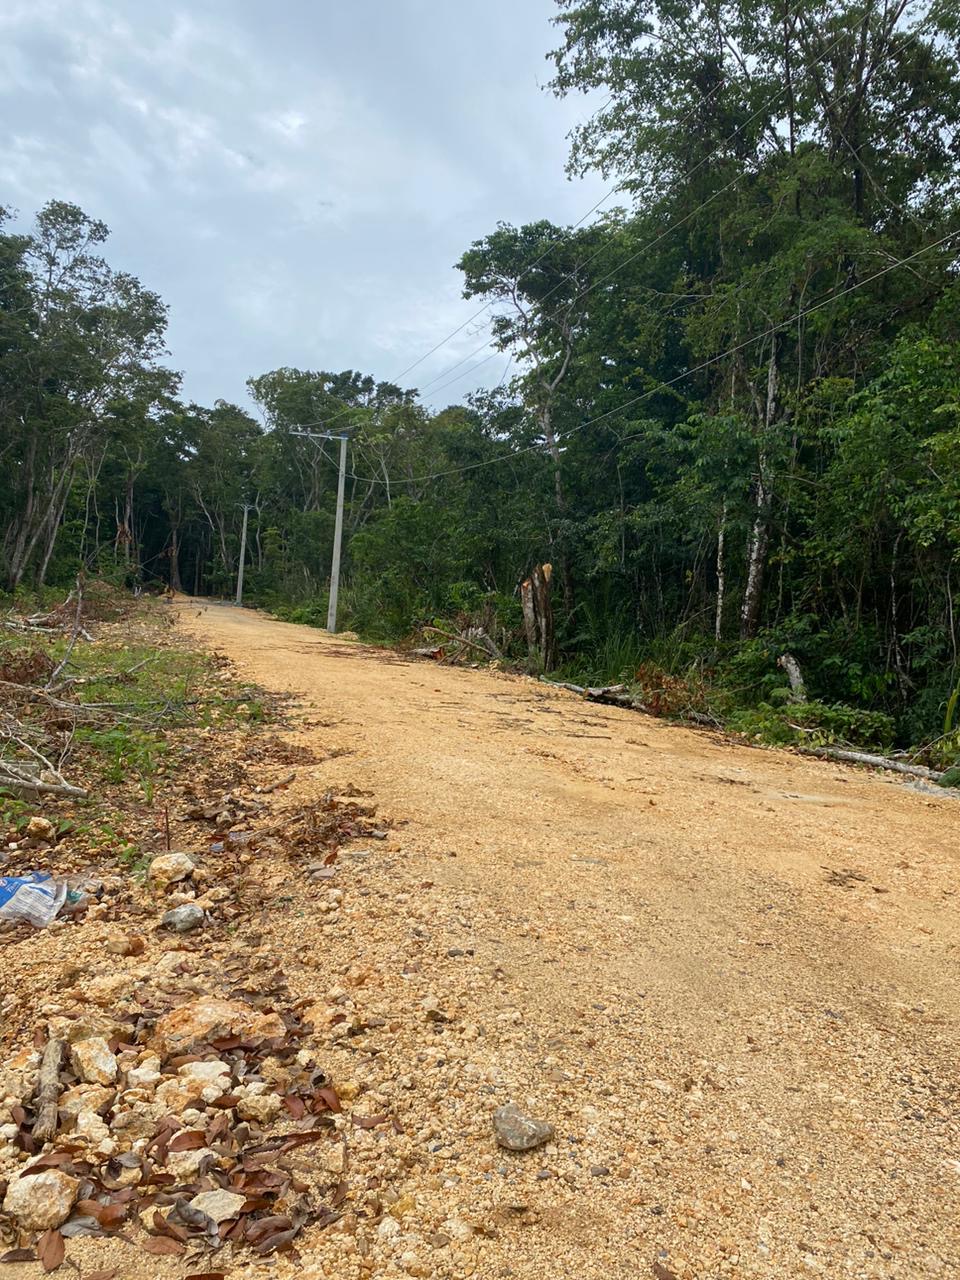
point(295, 179)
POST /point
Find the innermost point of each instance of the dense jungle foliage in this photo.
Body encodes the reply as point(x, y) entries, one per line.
point(731, 420)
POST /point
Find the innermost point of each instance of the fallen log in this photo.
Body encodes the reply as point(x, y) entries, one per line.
point(875, 762)
point(48, 1091)
point(25, 778)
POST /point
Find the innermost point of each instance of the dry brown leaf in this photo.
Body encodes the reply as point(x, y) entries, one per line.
point(263, 1227)
point(188, 1140)
point(662, 1272)
point(370, 1122)
point(50, 1249)
point(162, 1245)
point(330, 1097)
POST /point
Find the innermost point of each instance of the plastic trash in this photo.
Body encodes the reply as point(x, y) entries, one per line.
point(35, 898)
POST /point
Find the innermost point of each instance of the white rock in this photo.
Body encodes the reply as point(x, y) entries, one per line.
point(90, 1126)
point(185, 1164)
point(218, 1205)
point(93, 1061)
point(82, 1097)
point(169, 867)
point(177, 1095)
point(262, 1107)
point(147, 1073)
point(41, 1200)
point(40, 829)
point(213, 1072)
point(457, 1229)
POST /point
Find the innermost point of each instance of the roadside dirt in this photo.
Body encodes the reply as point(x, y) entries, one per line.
point(727, 976)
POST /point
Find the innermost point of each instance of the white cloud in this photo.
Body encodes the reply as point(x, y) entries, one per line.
point(296, 181)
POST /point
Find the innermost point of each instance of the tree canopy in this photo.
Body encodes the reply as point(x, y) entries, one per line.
point(731, 413)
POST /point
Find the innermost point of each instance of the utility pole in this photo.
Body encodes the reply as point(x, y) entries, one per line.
point(243, 555)
point(338, 523)
point(337, 538)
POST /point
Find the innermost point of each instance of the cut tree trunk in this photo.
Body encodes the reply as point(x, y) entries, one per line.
point(538, 617)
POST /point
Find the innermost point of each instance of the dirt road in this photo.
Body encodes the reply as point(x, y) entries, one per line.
point(728, 976)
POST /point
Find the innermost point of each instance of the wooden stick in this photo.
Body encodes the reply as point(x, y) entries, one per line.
point(77, 628)
point(48, 1091)
point(281, 782)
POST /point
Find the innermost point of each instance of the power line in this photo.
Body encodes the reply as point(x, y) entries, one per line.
point(656, 240)
point(701, 102)
point(687, 373)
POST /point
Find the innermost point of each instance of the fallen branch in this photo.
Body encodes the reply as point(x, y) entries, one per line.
point(565, 684)
point(77, 628)
point(875, 762)
point(26, 778)
point(448, 635)
point(48, 1091)
point(281, 782)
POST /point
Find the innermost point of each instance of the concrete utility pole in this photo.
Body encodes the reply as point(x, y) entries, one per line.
point(243, 555)
point(337, 539)
point(338, 524)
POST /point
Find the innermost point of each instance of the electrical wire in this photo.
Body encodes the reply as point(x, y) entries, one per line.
point(699, 105)
point(644, 249)
point(687, 373)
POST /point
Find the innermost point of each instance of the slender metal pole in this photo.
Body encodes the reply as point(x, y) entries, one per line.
point(337, 538)
point(243, 556)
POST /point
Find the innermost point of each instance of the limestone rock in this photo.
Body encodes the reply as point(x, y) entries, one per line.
point(518, 1132)
point(105, 989)
point(183, 919)
point(133, 1123)
point(213, 1071)
point(186, 1164)
point(93, 1061)
point(40, 829)
point(210, 1018)
point(169, 867)
point(83, 1097)
point(218, 1205)
point(262, 1107)
point(85, 1027)
point(176, 1095)
point(41, 1200)
point(145, 1073)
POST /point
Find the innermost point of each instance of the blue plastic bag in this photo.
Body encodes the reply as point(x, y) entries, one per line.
point(35, 898)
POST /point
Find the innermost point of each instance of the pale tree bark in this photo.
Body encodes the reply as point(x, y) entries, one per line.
point(721, 573)
point(538, 617)
point(763, 500)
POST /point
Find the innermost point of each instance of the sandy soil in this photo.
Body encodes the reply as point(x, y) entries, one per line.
point(727, 976)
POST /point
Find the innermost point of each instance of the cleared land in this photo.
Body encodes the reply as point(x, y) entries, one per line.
point(727, 976)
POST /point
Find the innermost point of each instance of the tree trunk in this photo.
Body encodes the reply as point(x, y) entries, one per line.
point(721, 574)
point(756, 559)
point(760, 531)
point(538, 617)
point(175, 583)
point(798, 690)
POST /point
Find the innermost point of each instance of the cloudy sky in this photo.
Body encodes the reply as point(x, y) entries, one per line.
point(295, 179)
